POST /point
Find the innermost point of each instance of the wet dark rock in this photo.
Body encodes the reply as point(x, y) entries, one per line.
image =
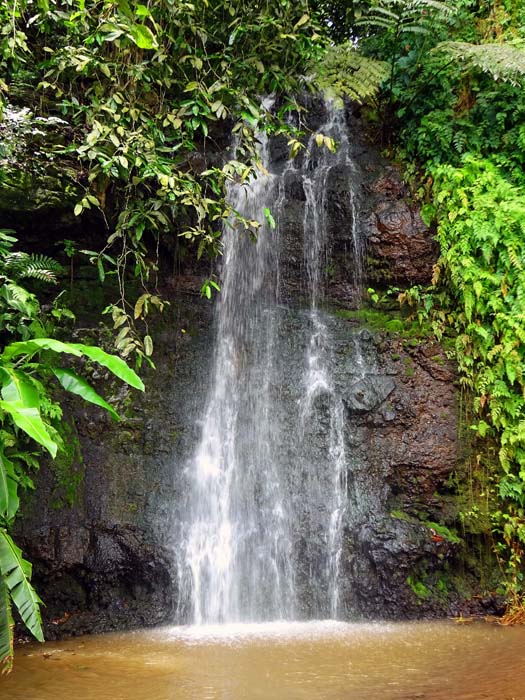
point(400, 248)
point(368, 393)
point(94, 579)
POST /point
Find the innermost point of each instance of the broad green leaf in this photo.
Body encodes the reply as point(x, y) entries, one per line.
point(8, 489)
point(30, 347)
point(77, 385)
point(18, 388)
point(21, 401)
point(31, 423)
point(16, 572)
point(6, 629)
point(143, 37)
point(115, 364)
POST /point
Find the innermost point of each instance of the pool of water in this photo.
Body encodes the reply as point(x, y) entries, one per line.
point(278, 661)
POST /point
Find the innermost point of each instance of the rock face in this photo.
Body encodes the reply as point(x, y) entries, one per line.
point(109, 561)
point(401, 248)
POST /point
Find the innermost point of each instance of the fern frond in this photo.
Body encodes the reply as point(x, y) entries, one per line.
point(503, 61)
point(19, 265)
point(408, 16)
point(344, 72)
point(514, 258)
point(6, 241)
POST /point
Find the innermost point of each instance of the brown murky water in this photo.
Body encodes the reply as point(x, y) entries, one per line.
point(279, 661)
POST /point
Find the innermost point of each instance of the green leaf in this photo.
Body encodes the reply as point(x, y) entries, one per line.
point(77, 385)
point(21, 401)
point(30, 347)
point(428, 214)
point(6, 628)
point(142, 11)
point(143, 37)
point(115, 364)
point(8, 490)
point(16, 572)
point(304, 19)
point(269, 218)
point(101, 272)
point(30, 422)
point(148, 345)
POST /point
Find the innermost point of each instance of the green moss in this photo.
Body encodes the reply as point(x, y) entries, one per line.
point(68, 468)
point(387, 320)
point(396, 325)
point(400, 515)
point(419, 589)
point(409, 367)
point(371, 318)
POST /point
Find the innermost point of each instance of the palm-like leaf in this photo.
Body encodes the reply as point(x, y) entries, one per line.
point(6, 628)
point(15, 575)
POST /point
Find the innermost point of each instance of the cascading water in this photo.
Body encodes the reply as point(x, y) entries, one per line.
point(257, 496)
point(318, 381)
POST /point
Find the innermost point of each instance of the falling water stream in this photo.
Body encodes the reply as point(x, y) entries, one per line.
point(239, 560)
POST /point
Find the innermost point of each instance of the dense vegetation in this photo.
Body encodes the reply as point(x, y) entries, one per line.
point(145, 86)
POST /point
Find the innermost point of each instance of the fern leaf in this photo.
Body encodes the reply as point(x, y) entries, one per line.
point(408, 16)
point(504, 61)
point(346, 72)
point(21, 265)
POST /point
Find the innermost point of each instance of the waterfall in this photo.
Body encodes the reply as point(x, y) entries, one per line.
point(257, 496)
